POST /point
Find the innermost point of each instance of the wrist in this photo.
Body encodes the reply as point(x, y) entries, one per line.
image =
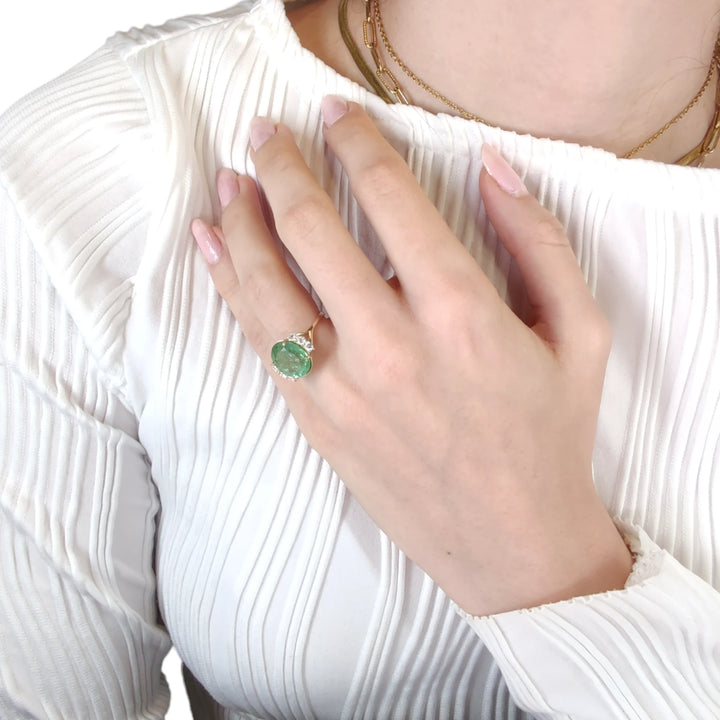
point(593, 559)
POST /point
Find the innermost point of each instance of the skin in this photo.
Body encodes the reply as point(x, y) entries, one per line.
point(607, 74)
point(476, 462)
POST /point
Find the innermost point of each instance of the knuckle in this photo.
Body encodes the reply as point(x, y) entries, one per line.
point(549, 231)
point(278, 162)
point(257, 285)
point(383, 175)
point(226, 283)
point(392, 367)
point(591, 337)
point(302, 217)
point(462, 305)
point(459, 300)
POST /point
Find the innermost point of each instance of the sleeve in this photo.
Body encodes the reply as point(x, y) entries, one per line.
point(648, 652)
point(80, 635)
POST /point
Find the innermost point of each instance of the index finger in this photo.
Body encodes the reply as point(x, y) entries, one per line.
point(310, 227)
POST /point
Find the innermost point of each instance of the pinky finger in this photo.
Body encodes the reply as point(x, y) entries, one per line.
point(212, 244)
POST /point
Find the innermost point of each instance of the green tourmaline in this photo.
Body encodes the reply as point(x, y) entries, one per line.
point(290, 359)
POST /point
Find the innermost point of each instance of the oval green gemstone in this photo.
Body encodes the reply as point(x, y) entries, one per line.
point(291, 360)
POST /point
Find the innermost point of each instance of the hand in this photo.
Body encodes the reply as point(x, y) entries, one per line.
point(464, 432)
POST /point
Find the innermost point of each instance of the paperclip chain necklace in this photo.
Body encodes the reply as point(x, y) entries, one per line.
point(386, 84)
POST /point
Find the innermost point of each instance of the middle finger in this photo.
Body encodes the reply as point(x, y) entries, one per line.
point(419, 244)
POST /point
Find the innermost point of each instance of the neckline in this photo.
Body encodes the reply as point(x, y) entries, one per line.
point(446, 133)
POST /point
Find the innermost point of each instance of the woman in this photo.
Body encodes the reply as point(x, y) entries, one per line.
point(163, 462)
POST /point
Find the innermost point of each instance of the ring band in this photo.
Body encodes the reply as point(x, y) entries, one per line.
point(291, 357)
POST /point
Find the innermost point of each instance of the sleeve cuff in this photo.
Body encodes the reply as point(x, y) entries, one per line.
point(650, 650)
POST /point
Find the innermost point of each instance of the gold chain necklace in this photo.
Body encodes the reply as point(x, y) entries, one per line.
point(385, 83)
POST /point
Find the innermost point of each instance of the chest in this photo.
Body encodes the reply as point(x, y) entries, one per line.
point(285, 599)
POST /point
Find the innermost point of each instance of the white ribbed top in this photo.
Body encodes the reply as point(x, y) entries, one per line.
point(146, 457)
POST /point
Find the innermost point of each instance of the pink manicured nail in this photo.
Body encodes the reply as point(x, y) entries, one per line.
point(501, 172)
point(227, 186)
point(208, 242)
point(261, 130)
point(333, 107)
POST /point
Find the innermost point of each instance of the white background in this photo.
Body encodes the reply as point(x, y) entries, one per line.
point(41, 38)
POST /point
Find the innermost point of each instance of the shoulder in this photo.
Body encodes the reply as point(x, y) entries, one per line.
point(192, 31)
point(91, 159)
point(85, 148)
point(106, 102)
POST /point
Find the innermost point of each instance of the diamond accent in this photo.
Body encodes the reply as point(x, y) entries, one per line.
point(303, 341)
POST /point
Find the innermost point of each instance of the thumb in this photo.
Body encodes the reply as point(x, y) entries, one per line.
point(559, 297)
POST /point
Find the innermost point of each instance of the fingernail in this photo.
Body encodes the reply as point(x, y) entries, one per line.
point(501, 172)
point(333, 107)
point(208, 242)
point(261, 130)
point(227, 186)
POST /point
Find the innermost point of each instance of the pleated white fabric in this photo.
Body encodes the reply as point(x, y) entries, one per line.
point(152, 478)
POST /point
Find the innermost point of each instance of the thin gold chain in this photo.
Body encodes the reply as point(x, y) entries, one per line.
point(686, 109)
point(709, 143)
point(384, 74)
point(373, 27)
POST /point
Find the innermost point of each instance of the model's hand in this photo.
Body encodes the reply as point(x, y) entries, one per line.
point(464, 432)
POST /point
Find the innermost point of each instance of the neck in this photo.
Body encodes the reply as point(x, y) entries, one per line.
point(607, 74)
